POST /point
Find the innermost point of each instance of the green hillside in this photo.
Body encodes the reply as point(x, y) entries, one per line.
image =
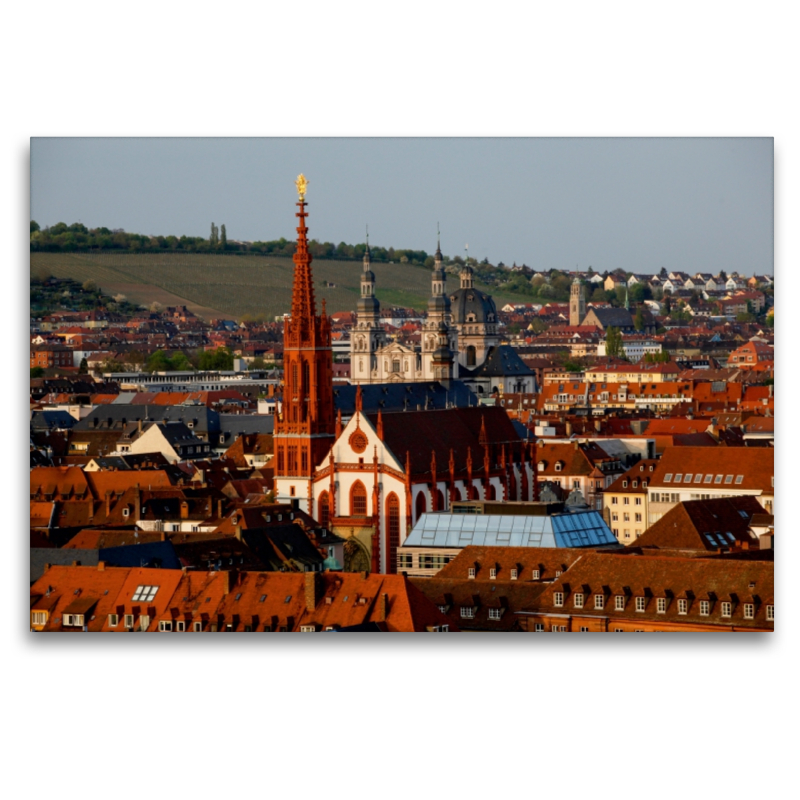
point(232, 286)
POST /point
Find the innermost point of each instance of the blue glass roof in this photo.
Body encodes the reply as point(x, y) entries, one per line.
point(581, 529)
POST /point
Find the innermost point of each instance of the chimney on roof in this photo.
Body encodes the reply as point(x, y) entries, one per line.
point(108, 503)
point(382, 608)
point(76, 563)
point(219, 509)
point(569, 428)
point(101, 565)
point(184, 509)
point(228, 581)
point(137, 503)
point(312, 590)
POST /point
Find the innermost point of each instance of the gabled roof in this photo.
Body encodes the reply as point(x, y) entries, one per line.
point(440, 431)
point(755, 467)
point(704, 525)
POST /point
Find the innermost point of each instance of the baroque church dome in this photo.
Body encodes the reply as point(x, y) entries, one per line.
point(472, 305)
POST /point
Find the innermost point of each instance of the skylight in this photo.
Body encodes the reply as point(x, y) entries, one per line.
point(144, 594)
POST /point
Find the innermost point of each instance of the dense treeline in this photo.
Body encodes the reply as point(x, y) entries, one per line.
point(63, 238)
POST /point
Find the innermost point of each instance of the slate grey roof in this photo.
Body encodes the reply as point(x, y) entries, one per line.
point(613, 317)
point(500, 361)
point(246, 423)
point(47, 420)
point(580, 529)
point(403, 397)
point(51, 555)
point(115, 416)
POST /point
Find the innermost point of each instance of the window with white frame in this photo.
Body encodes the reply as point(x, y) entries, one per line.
point(144, 594)
point(38, 617)
point(467, 612)
point(661, 605)
point(144, 622)
point(495, 613)
point(493, 573)
point(619, 602)
point(613, 501)
point(538, 627)
point(705, 608)
point(113, 620)
point(165, 626)
point(558, 628)
point(198, 627)
point(513, 574)
point(683, 606)
point(578, 600)
point(308, 629)
point(749, 610)
point(471, 572)
point(129, 620)
point(558, 599)
point(599, 601)
point(771, 613)
point(536, 574)
point(180, 626)
point(725, 608)
point(584, 629)
point(638, 501)
point(641, 602)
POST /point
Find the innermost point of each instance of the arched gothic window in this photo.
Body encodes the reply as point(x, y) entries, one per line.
point(324, 510)
point(358, 500)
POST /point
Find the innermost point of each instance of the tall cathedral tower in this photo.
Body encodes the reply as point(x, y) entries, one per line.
point(577, 302)
point(304, 431)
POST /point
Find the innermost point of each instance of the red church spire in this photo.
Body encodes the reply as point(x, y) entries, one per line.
point(305, 430)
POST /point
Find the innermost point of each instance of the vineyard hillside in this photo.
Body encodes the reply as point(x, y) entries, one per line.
point(233, 286)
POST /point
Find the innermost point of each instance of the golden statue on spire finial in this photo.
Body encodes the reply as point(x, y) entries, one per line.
point(301, 184)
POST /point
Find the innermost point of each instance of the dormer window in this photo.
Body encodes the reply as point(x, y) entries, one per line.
point(725, 608)
point(578, 600)
point(513, 574)
point(619, 602)
point(471, 572)
point(771, 613)
point(683, 606)
point(641, 603)
point(467, 612)
point(535, 575)
point(705, 608)
point(558, 599)
point(599, 602)
point(749, 610)
point(493, 573)
point(558, 466)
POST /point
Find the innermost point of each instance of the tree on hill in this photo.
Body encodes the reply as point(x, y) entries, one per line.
point(37, 372)
point(638, 320)
point(223, 237)
point(34, 226)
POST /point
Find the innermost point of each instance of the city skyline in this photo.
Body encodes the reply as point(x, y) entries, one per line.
point(635, 204)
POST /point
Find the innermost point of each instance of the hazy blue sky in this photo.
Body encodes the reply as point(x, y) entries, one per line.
point(639, 204)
